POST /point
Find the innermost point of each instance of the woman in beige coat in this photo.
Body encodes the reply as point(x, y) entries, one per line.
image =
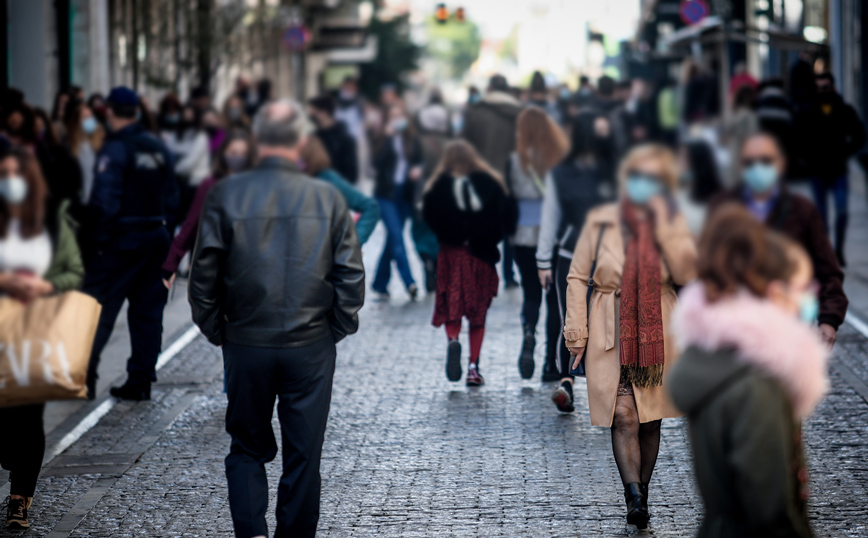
point(643, 248)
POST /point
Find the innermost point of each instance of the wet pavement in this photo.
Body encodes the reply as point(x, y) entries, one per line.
point(409, 454)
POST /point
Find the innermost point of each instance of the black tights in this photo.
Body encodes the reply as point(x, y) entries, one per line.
point(635, 445)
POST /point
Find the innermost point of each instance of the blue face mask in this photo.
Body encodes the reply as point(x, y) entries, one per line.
point(640, 189)
point(809, 308)
point(474, 98)
point(760, 178)
point(89, 125)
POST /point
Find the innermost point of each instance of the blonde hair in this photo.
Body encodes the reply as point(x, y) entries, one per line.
point(644, 152)
point(459, 153)
point(540, 143)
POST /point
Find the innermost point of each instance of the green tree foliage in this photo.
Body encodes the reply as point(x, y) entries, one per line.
point(397, 55)
point(456, 44)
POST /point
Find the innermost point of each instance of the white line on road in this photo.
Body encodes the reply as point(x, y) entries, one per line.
point(93, 418)
point(857, 324)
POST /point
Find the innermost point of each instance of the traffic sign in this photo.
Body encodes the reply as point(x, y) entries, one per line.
point(693, 11)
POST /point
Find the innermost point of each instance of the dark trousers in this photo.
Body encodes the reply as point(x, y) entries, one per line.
point(23, 447)
point(562, 269)
point(508, 260)
point(525, 259)
point(840, 189)
point(301, 381)
point(120, 274)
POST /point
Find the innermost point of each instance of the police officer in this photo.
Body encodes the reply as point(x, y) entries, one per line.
point(132, 209)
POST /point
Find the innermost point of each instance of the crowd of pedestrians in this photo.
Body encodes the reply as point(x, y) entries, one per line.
point(660, 237)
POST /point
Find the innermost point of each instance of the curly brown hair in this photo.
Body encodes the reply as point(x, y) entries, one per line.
point(539, 142)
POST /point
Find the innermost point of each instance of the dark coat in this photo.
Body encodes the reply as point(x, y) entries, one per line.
point(489, 126)
point(277, 262)
point(386, 160)
point(480, 230)
point(827, 141)
point(341, 147)
point(796, 217)
point(745, 443)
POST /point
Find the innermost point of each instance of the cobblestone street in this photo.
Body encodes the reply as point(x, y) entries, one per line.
point(408, 454)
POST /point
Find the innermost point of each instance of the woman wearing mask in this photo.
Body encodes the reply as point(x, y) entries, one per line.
point(700, 182)
point(237, 155)
point(233, 113)
point(465, 204)
point(751, 370)
point(398, 163)
point(192, 155)
point(582, 181)
point(317, 164)
point(638, 250)
point(59, 168)
point(84, 138)
point(38, 256)
point(213, 124)
point(540, 145)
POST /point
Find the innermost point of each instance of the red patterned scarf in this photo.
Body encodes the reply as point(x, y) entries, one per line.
point(641, 323)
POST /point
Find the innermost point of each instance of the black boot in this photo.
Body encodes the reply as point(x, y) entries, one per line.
point(130, 390)
point(637, 509)
point(840, 237)
point(525, 360)
point(430, 274)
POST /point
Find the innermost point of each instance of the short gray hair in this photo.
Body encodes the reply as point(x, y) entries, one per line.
point(281, 123)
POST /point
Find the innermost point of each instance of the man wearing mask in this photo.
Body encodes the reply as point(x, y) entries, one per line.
point(348, 109)
point(764, 193)
point(133, 206)
point(340, 145)
point(831, 132)
point(277, 321)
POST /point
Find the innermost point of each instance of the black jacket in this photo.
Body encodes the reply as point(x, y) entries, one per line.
point(386, 160)
point(341, 147)
point(457, 222)
point(277, 261)
point(827, 141)
point(580, 188)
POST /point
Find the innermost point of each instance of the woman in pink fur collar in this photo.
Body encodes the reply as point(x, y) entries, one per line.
point(751, 369)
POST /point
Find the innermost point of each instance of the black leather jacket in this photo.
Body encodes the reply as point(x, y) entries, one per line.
point(277, 261)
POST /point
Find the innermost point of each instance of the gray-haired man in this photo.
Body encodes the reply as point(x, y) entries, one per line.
point(277, 279)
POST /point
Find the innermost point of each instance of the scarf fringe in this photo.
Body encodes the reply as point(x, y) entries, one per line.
point(643, 377)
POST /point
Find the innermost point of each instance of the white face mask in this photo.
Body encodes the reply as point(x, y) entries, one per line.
point(13, 189)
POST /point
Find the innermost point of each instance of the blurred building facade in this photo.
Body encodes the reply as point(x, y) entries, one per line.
point(159, 45)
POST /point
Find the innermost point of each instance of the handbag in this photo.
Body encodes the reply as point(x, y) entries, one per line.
point(580, 370)
point(45, 347)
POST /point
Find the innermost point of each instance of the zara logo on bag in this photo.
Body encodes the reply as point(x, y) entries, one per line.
point(38, 352)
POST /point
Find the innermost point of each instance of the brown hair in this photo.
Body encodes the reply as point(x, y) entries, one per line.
point(736, 252)
point(220, 170)
point(75, 134)
point(540, 143)
point(651, 151)
point(459, 153)
point(33, 207)
point(315, 156)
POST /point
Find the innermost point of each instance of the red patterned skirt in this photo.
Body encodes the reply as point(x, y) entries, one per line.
point(465, 287)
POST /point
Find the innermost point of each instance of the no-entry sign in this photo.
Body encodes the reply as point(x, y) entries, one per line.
point(693, 11)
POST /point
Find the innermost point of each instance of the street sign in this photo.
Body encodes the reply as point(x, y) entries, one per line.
point(296, 37)
point(693, 11)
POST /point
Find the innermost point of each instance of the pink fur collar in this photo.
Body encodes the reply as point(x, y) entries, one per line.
point(764, 336)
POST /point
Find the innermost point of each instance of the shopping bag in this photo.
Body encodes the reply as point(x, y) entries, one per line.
point(45, 347)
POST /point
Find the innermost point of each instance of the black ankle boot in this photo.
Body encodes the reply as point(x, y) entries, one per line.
point(525, 360)
point(840, 238)
point(637, 509)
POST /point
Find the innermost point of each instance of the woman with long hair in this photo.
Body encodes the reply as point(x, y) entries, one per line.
point(59, 168)
point(466, 206)
point(629, 259)
point(540, 146)
point(318, 164)
point(237, 154)
point(84, 138)
point(700, 182)
point(581, 182)
point(39, 256)
point(752, 368)
point(398, 163)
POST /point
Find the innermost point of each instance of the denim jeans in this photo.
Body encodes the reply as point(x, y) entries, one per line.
point(840, 188)
point(394, 211)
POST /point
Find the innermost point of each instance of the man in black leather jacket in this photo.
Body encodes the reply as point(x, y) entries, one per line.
point(276, 280)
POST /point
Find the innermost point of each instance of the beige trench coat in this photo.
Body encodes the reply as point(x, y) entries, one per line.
point(602, 363)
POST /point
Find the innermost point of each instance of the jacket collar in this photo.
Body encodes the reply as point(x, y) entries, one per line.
point(606, 214)
point(280, 163)
point(762, 335)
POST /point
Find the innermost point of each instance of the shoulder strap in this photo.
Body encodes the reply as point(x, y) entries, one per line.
point(596, 254)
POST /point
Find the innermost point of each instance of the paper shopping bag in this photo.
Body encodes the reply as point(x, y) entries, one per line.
point(45, 347)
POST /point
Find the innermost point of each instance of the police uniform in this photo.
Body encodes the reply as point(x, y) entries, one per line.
point(132, 209)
